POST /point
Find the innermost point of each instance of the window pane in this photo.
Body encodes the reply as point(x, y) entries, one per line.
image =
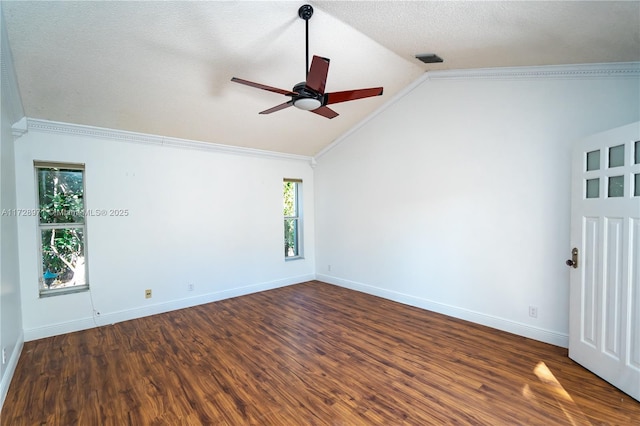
point(63, 257)
point(616, 156)
point(290, 237)
point(292, 218)
point(616, 186)
point(637, 153)
point(60, 195)
point(593, 160)
point(593, 188)
point(290, 199)
point(636, 190)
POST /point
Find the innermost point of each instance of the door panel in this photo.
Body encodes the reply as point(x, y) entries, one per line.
point(590, 265)
point(612, 287)
point(634, 297)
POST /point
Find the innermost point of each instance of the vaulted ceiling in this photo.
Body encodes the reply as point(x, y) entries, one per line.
point(164, 68)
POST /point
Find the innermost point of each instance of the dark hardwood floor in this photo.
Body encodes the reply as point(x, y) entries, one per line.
point(308, 354)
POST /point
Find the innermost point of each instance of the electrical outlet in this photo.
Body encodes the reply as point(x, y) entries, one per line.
point(4, 355)
point(190, 287)
point(147, 293)
point(533, 311)
point(328, 268)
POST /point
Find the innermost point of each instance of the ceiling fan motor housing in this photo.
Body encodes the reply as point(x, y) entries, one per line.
point(306, 99)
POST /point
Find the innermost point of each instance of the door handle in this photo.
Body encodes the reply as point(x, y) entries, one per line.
point(573, 262)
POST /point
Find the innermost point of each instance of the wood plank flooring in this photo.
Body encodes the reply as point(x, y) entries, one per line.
point(307, 354)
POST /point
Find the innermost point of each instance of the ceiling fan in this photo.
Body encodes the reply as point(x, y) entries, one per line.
point(310, 95)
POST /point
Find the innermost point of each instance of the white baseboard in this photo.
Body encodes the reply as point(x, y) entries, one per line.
point(58, 329)
point(11, 369)
point(525, 330)
point(106, 318)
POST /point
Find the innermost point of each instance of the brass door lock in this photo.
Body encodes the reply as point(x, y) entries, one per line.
point(573, 262)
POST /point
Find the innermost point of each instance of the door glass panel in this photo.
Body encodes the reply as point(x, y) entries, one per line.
point(616, 156)
point(593, 160)
point(593, 188)
point(636, 190)
point(637, 149)
point(616, 186)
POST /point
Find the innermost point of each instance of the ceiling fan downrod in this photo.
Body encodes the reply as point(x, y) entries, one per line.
point(306, 12)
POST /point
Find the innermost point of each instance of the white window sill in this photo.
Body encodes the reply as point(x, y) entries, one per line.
point(287, 259)
point(64, 290)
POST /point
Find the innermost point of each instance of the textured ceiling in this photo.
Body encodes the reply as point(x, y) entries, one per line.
point(164, 68)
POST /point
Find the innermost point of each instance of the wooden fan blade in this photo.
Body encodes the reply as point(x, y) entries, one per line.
point(325, 112)
point(263, 87)
point(317, 77)
point(350, 95)
point(277, 108)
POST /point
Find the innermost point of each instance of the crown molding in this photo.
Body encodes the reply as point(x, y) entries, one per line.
point(19, 128)
point(605, 70)
point(579, 71)
point(46, 126)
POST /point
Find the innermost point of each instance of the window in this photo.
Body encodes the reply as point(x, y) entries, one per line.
point(62, 228)
point(292, 218)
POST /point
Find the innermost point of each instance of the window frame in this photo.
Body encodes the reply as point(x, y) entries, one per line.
point(297, 218)
point(42, 227)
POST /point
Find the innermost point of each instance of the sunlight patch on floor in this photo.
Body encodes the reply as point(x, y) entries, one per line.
point(565, 402)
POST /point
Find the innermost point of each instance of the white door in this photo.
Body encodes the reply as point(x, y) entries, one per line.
point(604, 329)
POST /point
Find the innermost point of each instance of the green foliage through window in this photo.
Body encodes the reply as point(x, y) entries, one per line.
point(62, 226)
point(291, 218)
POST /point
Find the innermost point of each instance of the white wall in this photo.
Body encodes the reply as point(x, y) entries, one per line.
point(196, 216)
point(456, 198)
point(11, 337)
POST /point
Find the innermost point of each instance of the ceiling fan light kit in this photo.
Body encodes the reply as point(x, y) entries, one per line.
point(307, 104)
point(309, 95)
